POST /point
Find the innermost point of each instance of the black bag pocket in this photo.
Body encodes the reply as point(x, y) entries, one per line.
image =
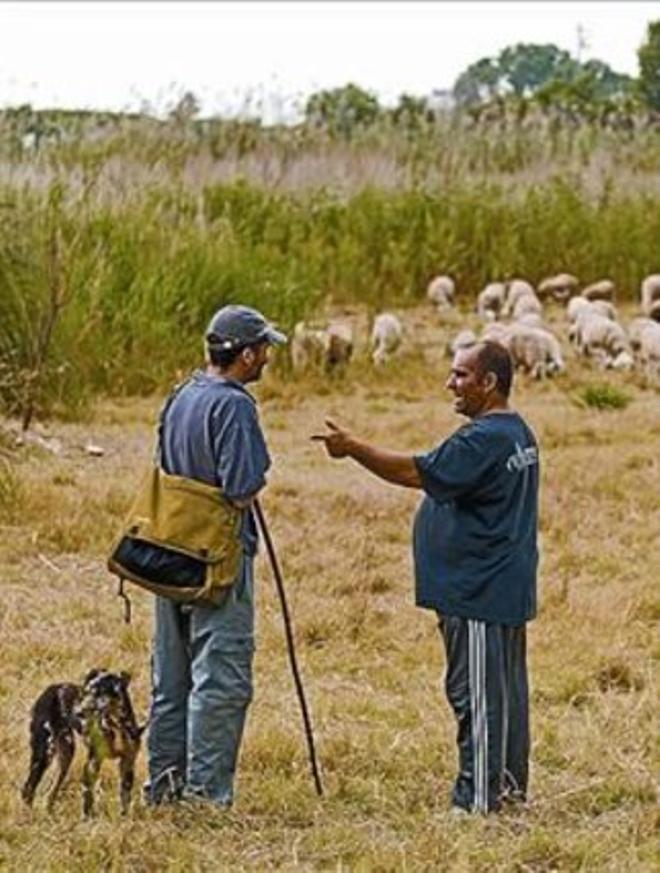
point(159, 565)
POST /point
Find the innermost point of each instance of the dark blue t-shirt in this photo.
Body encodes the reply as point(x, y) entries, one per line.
point(211, 432)
point(475, 530)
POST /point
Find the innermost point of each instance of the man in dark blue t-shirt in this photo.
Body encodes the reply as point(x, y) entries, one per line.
point(475, 555)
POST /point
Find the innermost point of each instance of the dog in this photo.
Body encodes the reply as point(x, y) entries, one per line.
point(101, 712)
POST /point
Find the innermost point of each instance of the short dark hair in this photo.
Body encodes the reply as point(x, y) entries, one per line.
point(492, 357)
point(221, 357)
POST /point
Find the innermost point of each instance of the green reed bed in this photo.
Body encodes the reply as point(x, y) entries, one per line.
point(103, 294)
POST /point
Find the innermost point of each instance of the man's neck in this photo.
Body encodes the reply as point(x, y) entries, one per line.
point(232, 372)
point(497, 404)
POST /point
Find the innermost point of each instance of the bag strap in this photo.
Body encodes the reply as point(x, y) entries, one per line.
point(158, 449)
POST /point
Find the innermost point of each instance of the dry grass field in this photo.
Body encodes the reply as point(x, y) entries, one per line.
point(371, 662)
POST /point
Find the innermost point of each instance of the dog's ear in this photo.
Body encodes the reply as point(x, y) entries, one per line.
point(125, 678)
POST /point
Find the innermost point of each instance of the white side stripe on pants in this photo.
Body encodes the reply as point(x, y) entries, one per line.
point(478, 711)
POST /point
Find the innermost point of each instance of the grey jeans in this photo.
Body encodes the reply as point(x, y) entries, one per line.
point(201, 690)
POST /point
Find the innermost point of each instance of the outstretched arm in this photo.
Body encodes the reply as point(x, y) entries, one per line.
point(395, 467)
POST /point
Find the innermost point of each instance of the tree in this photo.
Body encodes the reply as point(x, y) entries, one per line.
point(479, 82)
point(649, 66)
point(526, 66)
point(342, 110)
point(412, 113)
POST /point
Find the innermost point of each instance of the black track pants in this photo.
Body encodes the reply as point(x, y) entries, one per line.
point(486, 685)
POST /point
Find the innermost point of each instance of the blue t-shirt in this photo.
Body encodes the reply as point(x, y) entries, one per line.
point(475, 530)
point(211, 432)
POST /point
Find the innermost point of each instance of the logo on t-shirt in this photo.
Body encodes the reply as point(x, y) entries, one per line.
point(522, 458)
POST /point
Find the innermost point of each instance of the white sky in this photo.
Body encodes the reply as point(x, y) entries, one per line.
point(121, 55)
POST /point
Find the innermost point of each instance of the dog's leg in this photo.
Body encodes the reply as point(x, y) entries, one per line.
point(42, 755)
point(65, 748)
point(127, 778)
point(90, 775)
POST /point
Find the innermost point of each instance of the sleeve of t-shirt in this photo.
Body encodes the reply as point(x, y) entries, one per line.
point(240, 449)
point(456, 466)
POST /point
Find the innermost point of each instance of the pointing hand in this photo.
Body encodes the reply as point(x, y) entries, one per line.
point(337, 440)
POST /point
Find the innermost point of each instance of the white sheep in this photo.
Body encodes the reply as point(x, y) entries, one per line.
point(535, 350)
point(560, 286)
point(386, 336)
point(580, 305)
point(526, 304)
point(644, 335)
point(516, 289)
point(491, 300)
point(603, 339)
point(650, 296)
point(496, 332)
point(321, 347)
point(531, 319)
point(463, 340)
point(601, 290)
point(440, 292)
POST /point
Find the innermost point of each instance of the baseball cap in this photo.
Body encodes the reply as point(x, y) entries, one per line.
point(235, 326)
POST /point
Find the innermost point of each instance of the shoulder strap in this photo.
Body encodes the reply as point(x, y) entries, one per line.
point(158, 450)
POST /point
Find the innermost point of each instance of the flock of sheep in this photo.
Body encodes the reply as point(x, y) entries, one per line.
point(512, 313)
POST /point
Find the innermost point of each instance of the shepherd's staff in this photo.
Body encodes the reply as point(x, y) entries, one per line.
point(290, 645)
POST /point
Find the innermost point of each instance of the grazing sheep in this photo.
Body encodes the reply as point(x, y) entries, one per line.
point(463, 340)
point(604, 307)
point(321, 347)
point(534, 350)
point(496, 332)
point(340, 344)
point(603, 339)
point(491, 300)
point(526, 304)
point(516, 289)
point(531, 319)
point(580, 306)
point(602, 290)
point(386, 336)
point(650, 296)
point(440, 292)
point(644, 335)
point(559, 287)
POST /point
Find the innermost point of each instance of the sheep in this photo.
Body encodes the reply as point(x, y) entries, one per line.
point(516, 289)
point(535, 350)
point(580, 305)
point(386, 336)
point(644, 335)
point(526, 304)
point(463, 340)
point(496, 332)
point(603, 339)
point(440, 292)
point(602, 290)
point(559, 287)
point(340, 344)
point(491, 300)
point(650, 296)
point(531, 319)
point(323, 347)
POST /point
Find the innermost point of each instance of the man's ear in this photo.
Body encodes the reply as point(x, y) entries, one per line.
point(490, 381)
point(248, 355)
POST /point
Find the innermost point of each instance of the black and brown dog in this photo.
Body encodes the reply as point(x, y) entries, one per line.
point(101, 711)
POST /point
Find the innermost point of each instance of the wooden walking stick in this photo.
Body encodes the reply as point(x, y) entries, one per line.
point(290, 645)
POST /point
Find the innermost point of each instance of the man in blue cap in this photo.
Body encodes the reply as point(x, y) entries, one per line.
point(202, 656)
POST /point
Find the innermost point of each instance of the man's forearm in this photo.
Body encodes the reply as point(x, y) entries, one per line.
point(395, 467)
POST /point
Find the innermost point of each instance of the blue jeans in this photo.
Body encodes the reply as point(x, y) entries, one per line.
point(201, 689)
